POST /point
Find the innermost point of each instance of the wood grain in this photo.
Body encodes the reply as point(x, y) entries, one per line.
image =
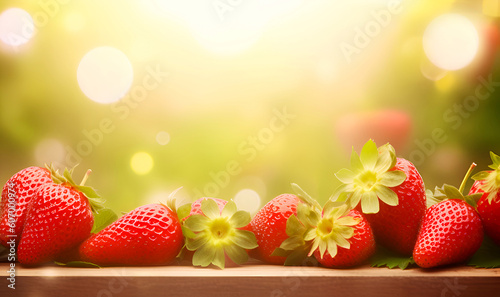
point(255, 279)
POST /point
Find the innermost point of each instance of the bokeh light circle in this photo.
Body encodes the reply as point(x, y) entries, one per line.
point(163, 138)
point(451, 41)
point(141, 163)
point(16, 27)
point(105, 74)
point(248, 200)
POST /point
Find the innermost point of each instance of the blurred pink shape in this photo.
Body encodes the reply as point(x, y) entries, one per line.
point(393, 126)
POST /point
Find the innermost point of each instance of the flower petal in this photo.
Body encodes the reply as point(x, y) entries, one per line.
point(210, 209)
point(347, 221)
point(245, 239)
point(369, 203)
point(345, 175)
point(204, 256)
point(240, 219)
point(369, 155)
point(197, 223)
point(386, 195)
point(196, 243)
point(237, 254)
point(229, 209)
point(392, 178)
point(219, 258)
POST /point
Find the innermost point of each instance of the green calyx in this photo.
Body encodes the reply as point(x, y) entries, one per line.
point(314, 228)
point(369, 179)
point(95, 201)
point(450, 192)
point(215, 234)
point(491, 178)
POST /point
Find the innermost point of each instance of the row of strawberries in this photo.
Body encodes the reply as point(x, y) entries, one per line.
point(46, 216)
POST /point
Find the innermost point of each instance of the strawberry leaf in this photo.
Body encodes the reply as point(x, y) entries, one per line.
point(488, 255)
point(183, 211)
point(80, 264)
point(102, 219)
point(385, 258)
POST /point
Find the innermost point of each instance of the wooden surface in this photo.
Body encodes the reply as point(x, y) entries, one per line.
point(254, 279)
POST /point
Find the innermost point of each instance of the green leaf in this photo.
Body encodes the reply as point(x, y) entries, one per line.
point(369, 155)
point(452, 192)
point(296, 257)
point(294, 226)
point(488, 255)
point(197, 222)
point(386, 258)
point(210, 209)
point(481, 175)
point(240, 219)
point(245, 239)
point(80, 264)
point(473, 199)
point(183, 211)
point(102, 219)
point(279, 252)
point(306, 198)
point(310, 234)
point(292, 243)
point(386, 159)
point(496, 159)
point(430, 199)
point(392, 178)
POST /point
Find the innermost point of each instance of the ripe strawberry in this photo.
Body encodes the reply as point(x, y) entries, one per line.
point(452, 230)
point(269, 227)
point(59, 218)
point(148, 235)
point(214, 232)
point(337, 236)
point(378, 174)
point(361, 243)
point(16, 195)
point(488, 184)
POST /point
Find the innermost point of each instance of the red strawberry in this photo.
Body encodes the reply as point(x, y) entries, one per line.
point(488, 207)
point(59, 218)
point(337, 236)
point(148, 235)
point(451, 233)
point(269, 226)
point(16, 195)
point(214, 232)
point(378, 175)
point(361, 244)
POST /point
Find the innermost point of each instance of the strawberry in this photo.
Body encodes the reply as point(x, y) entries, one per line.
point(60, 216)
point(337, 236)
point(269, 227)
point(452, 230)
point(148, 235)
point(213, 231)
point(488, 184)
point(16, 195)
point(378, 175)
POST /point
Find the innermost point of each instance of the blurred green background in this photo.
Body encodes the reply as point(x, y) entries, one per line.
point(237, 99)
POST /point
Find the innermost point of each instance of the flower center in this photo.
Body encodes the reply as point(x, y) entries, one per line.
point(325, 227)
point(220, 228)
point(366, 180)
